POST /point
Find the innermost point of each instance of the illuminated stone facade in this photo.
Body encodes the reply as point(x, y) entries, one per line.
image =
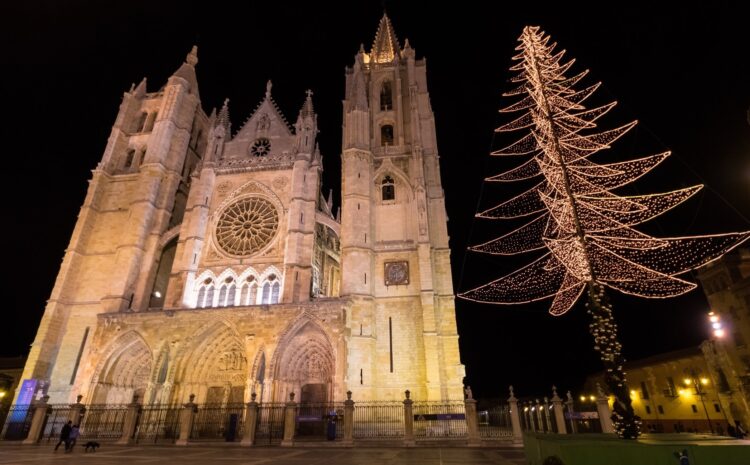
point(208, 262)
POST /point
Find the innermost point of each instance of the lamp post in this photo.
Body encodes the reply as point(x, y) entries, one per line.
point(697, 384)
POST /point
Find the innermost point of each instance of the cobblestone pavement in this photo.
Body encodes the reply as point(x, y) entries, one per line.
point(231, 455)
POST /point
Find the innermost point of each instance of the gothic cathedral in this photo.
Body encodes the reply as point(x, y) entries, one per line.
point(208, 262)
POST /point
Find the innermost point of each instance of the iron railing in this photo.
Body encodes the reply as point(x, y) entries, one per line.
point(318, 421)
point(439, 420)
point(158, 423)
point(218, 421)
point(495, 422)
point(57, 416)
point(270, 424)
point(17, 422)
point(379, 420)
point(103, 422)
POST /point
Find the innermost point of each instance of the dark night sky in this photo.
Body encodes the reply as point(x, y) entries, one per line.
point(685, 74)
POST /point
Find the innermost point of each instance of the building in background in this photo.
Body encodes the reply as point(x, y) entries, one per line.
point(674, 392)
point(701, 388)
point(208, 262)
point(726, 283)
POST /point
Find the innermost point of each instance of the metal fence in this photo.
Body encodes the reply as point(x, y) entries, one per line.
point(318, 421)
point(270, 426)
point(103, 422)
point(17, 422)
point(495, 423)
point(439, 420)
point(217, 421)
point(158, 423)
point(379, 420)
point(57, 416)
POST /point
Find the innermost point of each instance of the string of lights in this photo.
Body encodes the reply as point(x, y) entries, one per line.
point(586, 228)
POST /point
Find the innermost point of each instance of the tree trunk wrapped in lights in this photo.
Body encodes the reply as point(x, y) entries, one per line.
point(585, 229)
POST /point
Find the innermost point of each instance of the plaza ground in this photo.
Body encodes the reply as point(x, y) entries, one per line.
point(229, 455)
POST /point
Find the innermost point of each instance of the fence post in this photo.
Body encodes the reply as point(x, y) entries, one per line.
point(557, 409)
point(472, 424)
point(187, 416)
point(408, 420)
point(130, 423)
point(290, 423)
point(37, 421)
point(77, 411)
point(569, 404)
point(251, 421)
point(605, 415)
point(515, 419)
point(348, 419)
point(538, 409)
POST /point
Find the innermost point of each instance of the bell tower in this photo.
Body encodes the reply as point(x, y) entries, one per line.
point(394, 240)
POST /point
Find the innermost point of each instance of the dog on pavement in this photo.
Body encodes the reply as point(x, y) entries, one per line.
point(93, 445)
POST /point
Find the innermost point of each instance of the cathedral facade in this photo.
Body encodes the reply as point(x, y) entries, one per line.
point(208, 262)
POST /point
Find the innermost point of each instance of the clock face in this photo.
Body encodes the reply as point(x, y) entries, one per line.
point(396, 273)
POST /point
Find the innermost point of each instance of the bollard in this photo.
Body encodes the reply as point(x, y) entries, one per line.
point(290, 422)
point(558, 411)
point(251, 422)
point(187, 416)
point(37, 421)
point(348, 419)
point(515, 419)
point(408, 420)
point(130, 423)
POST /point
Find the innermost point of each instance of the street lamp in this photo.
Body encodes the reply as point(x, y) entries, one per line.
point(698, 384)
point(716, 325)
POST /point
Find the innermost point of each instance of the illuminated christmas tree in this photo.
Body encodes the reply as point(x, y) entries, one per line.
point(584, 228)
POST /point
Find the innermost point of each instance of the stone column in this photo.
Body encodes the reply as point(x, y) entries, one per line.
point(472, 424)
point(605, 415)
point(515, 419)
point(290, 422)
point(571, 412)
point(77, 411)
point(251, 422)
point(348, 419)
point(540, 422)
point(547, 419)
point(408, 420)
point(37, 421)
point(131, 422)
point(557, 409)
point(187, 416)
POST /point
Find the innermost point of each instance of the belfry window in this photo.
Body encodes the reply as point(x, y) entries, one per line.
point(388, 188)
point(386, 97)
point(386, 135)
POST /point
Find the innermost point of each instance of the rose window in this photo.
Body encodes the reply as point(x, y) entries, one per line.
point(247, 226)
point(261, 147)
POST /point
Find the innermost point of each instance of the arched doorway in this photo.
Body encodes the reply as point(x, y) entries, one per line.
point(214, 367)
point(124, 372)
point(305, 365)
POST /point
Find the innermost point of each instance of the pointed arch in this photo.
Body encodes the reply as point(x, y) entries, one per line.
point(123, 370)
point(304, 357)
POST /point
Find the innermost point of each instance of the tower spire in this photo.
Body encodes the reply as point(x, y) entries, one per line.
point(385, 47)
point(223, 118)
point(307, 107)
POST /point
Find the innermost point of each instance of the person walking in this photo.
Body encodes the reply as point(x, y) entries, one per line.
point(64, 434)
point(72, 438)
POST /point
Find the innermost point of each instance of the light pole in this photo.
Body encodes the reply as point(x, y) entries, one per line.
point(697, 384)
